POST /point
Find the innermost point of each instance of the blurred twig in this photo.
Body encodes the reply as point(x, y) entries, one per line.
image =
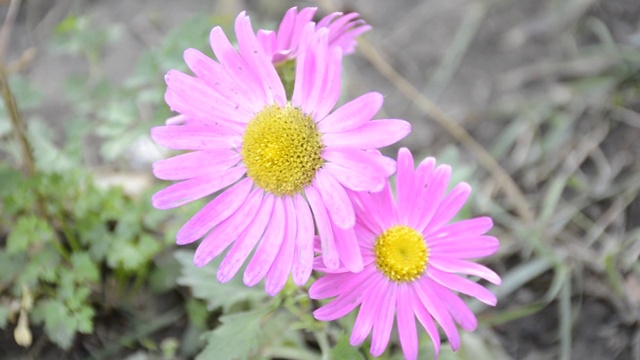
point(454, 129)
point(7, 26)
point(19, 127)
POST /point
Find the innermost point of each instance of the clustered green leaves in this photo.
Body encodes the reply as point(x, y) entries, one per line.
point(64, 237)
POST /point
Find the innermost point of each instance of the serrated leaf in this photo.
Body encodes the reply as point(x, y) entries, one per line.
point(236, 338)
point(125, 255)
point(29, 230)
point(84, 268)
point(58, 325)
point(205, 286)
point(84, 319)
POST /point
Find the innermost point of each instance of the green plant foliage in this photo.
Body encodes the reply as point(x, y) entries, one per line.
point(344, 350)
point(60, 229)
point(204, 285)
point(236, 338)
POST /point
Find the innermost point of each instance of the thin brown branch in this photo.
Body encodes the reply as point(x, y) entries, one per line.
point(17, 123)
point(433, 111)
point(7, 26)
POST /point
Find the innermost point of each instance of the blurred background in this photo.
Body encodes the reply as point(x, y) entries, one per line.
point(536, 104)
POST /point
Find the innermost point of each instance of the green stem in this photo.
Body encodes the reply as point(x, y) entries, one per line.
point(323, 343)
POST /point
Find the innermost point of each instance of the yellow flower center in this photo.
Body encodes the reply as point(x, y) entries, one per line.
point(401, 253)
point(281, 149)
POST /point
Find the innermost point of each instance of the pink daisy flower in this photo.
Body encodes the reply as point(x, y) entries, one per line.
point(411, 256)
point(280, 163)
point(283, 44)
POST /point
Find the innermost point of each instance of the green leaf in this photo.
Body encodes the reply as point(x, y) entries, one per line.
point(205, 286)
point(236, 337)
point(58, 325)
point(4, 315)
point(84, 268)
point(29, 230)
point(344, 350)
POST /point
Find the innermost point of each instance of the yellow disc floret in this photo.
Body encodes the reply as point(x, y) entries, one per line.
point(401, 253)
point(281, 149)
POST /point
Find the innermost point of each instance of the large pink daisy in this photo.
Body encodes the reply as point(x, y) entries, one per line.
point(412, 256)
point(280, 163)
point(283, 44)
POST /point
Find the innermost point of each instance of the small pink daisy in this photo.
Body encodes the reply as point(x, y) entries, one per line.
point(411, 256)
point(283, 44)
point(280, 163)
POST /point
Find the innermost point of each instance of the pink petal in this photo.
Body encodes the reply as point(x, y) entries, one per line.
point(215, 76)
point(254, 55)
point(285, 30)
point(335, 199)
point(464, 247)
point(383, 325)
point(419, 201)
point(268, 41)
point(369, 222)
point(450, 206)
point(348, 248)
point(176, 120)
point(331, 285)
point(303, 251)
point(344, 303)
point(406, 321)
point(452, 265)
point(369, 310)
point(468, 228)
point(194, 98)
point(458, 309)
point(354, 180)
point(426, 320)
point(279, 272)
point(332, 85)
point(438, 310)
point(317, 69)
point(214, 212)
point(289, 36)
point(347, 41)
point(387, 205)
point(404, 185)
point(366, 237)
point(196, 188)
point(246, 242)
point(329, 252)
point(462, 285)
point(193, 137)
point(268, 247)
point(352, 115)
point(228, 230)
point(326, 21)
point(436, 187)
point(194, 164)
point(305, 64)
point(367, 163)
point(372, 135)
point(236, 66)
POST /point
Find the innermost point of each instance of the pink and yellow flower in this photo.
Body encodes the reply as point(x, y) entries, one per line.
point(282, 166)
point(412, 257)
